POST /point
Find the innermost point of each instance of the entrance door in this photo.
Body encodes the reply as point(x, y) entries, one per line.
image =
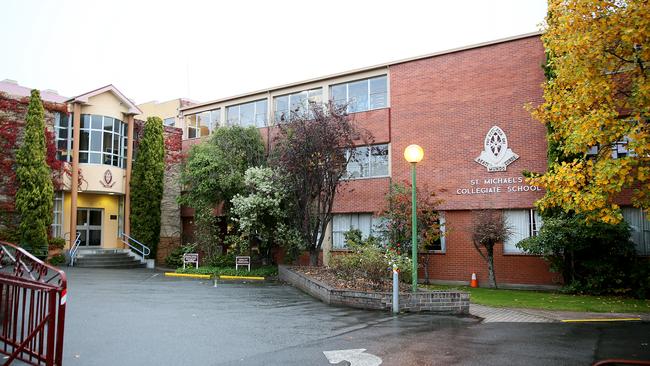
point(89, 225)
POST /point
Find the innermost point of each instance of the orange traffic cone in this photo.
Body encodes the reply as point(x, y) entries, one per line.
point(474, 282)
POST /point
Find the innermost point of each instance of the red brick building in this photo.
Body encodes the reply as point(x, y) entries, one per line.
point(466, 108)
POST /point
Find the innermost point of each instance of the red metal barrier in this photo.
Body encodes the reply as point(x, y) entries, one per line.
point(32, 308)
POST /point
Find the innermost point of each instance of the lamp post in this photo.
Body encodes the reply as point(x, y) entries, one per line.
point(414, 154)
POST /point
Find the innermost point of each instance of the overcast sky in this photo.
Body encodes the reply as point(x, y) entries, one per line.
point(204, 50)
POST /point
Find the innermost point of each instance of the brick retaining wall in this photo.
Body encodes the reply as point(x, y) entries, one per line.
point(446, 302)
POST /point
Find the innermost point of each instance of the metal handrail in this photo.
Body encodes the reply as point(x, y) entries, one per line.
point(75, 248)
point(142, 250)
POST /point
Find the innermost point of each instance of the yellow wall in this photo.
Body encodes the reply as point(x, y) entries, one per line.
point(163, 110)
point(109, 204)
point(105, 104)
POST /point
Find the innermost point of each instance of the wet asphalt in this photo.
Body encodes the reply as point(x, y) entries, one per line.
point(140, 317)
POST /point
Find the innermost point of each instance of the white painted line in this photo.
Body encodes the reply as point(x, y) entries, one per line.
point(356, 357)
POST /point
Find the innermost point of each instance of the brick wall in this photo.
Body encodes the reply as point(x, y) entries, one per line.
point(450, 302)
point(447, 104)
point(461, 259)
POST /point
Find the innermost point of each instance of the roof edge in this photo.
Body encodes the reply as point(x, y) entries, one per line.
point(83, 98)
point(369, 68)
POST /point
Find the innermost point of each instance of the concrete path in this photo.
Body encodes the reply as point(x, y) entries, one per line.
point(505, 315)
point(513, 315)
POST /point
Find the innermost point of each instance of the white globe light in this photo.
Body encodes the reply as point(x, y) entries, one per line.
point(413, 153)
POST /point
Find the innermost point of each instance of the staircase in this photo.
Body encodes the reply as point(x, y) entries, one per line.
point(106, 258)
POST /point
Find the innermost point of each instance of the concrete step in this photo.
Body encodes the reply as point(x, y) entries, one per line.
point(109, 256)
point(105, 265)
point(106, 260)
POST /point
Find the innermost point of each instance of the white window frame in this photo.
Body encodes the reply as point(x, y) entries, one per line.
point(197, 125)
point(122, 137)
point(375, 222)
point(639, 223)
point(166, 122)
point(256, 113)
point(369, 94)
point(57, 216)
point(533, 225)
point(371, 174)
point(312, 95)
point(443, 230)
point(68, 140)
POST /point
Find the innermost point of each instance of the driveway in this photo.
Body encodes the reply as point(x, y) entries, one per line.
point(139, 317)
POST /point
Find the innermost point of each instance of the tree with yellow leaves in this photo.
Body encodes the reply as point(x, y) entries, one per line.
point(597, 99)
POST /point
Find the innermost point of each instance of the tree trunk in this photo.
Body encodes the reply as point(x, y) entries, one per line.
point(490, 263)
point(313, 257)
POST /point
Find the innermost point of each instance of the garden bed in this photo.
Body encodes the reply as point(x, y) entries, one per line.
point(313, 280)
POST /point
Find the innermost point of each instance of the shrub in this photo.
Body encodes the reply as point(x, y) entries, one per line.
point(225, 260)
point(57, 243)
point(265, 271)
point(57, 260)
point(147, 185)
point(368, 261)
point(593, 257)
point(175, 258)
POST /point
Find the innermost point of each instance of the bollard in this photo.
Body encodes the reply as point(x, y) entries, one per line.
point(395, 290)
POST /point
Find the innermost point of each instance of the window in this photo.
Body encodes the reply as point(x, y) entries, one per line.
point(247, 114)
point(102, 140)
point(57, 223)
point(439, 245)
point(203, 123)
point(619, 149)
point(63, 129)
point(361, 95)
point(365, 222)
point(367, 162)
point(286, 105)
point(639, 229)
point(524, 224)
point(171, 121)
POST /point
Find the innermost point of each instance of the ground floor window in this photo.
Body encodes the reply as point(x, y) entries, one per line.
point(342, 223)
point(639, 229)
point(439, 245)
point(57, 215)
point(523, 224)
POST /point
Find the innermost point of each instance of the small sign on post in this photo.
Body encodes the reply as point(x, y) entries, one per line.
point(243, 261)
point(191, 258)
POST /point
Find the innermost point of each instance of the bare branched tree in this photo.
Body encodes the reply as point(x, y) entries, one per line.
point(490, 228)
point(311, 147)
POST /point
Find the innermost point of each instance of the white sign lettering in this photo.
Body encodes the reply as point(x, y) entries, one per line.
point(497, 185)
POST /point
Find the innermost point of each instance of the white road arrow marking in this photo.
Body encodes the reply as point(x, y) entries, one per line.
point(356, 357)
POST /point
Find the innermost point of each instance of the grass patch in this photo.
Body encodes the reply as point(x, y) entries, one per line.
point(551, 300)
point(265, 271)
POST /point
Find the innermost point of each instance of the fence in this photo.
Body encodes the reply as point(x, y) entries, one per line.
point(32, 308)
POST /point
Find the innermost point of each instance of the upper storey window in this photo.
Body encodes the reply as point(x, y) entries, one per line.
point(102, 140)
point(361, 95)
point(202, 124)
point(285, 105)
point(247, 114)
point(63, 129)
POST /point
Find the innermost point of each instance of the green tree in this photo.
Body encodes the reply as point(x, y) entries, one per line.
point(592, 257)
point(214, 173)
point(147, 185)
point(262, 210)
point(35, 190)
point(597, 95)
